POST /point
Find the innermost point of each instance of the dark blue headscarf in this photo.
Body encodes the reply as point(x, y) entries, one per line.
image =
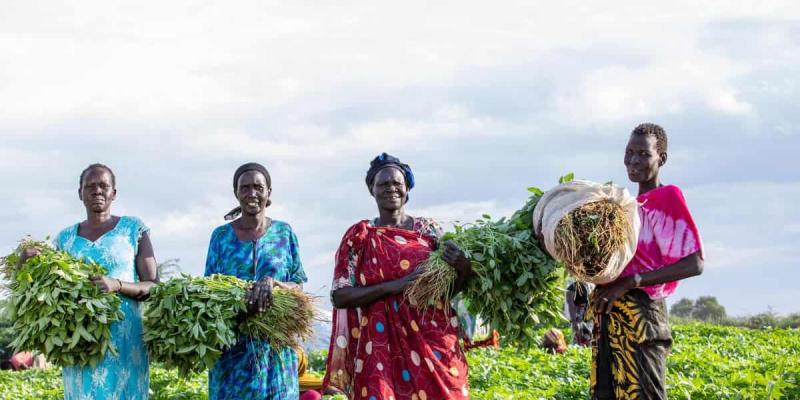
point(387, 161)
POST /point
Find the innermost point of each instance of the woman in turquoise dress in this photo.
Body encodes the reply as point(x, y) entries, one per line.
point(256, 248)
point(122, 246)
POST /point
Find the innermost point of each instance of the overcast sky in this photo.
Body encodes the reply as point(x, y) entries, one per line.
point(482, 99)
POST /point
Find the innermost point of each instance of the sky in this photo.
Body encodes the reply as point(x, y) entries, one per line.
point(482, 99)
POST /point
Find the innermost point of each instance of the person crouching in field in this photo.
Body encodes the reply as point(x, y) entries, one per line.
point(631, 334)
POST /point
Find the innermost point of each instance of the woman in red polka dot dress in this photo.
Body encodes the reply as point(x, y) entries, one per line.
point(381, 347)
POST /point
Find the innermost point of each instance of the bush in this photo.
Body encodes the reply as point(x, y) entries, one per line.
point(6, 335)
point(764, 320)
point(706, 309)
point(316, 361)
point(683, 308)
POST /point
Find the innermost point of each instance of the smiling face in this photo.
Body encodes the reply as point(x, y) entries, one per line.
point(252, 192)
point(97, 190)
point(389, 189)
point(642, 159)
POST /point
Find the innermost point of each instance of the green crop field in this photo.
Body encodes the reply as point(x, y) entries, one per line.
point(708, 362)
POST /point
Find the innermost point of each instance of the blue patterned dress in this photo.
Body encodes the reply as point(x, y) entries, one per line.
point(126, 376)
point(252, 369)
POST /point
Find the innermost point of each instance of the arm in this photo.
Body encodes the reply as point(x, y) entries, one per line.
point(460, 282)
point(687, 267)
point(287, 285)
point(351, 297)
point(259, 297)
point(146, 268)
point(26, 254)
point(456, 258)
point(571, 304)
point(297, 275)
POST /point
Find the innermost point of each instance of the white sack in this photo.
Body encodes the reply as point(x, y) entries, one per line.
point(566, 197)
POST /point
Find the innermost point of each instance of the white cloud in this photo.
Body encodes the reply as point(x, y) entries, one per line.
point(745, 223)
point(720, 254)
point(183, 59)
point(185, 224)
point(461, 212)
point(671, 83)
point(483, 99)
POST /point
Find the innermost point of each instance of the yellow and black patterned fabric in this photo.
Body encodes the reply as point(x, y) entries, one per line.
point(629, 349)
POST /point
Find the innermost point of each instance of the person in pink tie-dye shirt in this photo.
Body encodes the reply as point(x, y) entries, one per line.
point(632, 337)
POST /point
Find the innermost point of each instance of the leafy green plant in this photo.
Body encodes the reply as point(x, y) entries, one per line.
point(288, 319)
point(317, 360)
point(6, 334)
point(707, 362)
point(56, 309)
point(516, 286)
point(189, 321)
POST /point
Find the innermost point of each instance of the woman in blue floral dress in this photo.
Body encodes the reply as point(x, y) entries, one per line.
point(257, 248)
point(122, 246)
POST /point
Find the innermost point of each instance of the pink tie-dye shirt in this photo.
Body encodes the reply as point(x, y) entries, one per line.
point(668, 234)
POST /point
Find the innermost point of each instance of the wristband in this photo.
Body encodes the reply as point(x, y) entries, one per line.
point(120, 285)
point(637, 280)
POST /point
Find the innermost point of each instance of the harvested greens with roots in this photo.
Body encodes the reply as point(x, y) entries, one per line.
point(589, 235)
point(592, 228)
point(56, 309)
point(515, 287)
point(190, 321)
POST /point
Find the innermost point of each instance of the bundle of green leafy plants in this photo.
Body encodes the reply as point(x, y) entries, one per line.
point(56, 309)
point(287, 320)
point(190, 321)
point(515, 287)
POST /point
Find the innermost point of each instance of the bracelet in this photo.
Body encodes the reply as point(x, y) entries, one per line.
point(120, 285)
point(637, 280)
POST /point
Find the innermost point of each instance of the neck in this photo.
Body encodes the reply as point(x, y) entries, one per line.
point(98, 218)
point(647, 186)
point(392, 217)
point(252, 221)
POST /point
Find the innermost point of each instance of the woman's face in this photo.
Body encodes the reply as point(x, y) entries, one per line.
point(252, 192)
point(389, 189)
point(642, 159)
point(97, 190)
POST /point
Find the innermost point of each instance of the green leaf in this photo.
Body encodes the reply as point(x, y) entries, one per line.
point(535, 190)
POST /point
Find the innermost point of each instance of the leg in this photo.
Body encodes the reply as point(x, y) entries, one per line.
point(600, 382)
point(652, 354)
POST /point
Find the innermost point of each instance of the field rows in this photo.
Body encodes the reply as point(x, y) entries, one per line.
point(707, 362)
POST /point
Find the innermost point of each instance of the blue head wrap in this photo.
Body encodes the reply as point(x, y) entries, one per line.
point(388, 161)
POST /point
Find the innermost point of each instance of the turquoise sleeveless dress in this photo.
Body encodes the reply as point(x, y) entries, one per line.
point(126, 376)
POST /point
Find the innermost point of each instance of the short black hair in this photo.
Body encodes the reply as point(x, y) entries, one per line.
point(656, 131)
point(100, 166)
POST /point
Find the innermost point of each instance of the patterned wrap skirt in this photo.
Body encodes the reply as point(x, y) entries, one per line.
point(629, 349)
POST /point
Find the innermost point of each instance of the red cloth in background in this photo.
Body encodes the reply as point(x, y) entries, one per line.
point(310, 395)
point(20, 361)
point(491, 341)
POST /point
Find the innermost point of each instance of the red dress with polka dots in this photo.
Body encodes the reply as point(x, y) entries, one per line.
point(390, 349)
